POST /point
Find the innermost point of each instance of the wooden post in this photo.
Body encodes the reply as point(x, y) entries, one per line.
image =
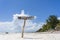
point(23, 28)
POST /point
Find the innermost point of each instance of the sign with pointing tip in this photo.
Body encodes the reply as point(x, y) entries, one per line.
point(26, 18)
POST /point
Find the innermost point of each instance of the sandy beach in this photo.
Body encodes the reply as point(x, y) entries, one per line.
point(30, 36)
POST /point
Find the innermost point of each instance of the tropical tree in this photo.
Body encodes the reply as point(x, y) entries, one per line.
point(58, 26)
point(52, 21)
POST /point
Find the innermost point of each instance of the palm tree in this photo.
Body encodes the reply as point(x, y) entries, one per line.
point(52, 21)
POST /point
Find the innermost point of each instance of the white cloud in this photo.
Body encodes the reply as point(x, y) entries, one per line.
point(16, 25)
point(58, 18)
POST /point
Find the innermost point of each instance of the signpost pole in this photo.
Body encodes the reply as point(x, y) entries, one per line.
point(23, 28)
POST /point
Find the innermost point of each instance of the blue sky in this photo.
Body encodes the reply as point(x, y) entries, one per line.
point(40, 8)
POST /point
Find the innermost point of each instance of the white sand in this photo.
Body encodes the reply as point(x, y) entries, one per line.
point(30, 36)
